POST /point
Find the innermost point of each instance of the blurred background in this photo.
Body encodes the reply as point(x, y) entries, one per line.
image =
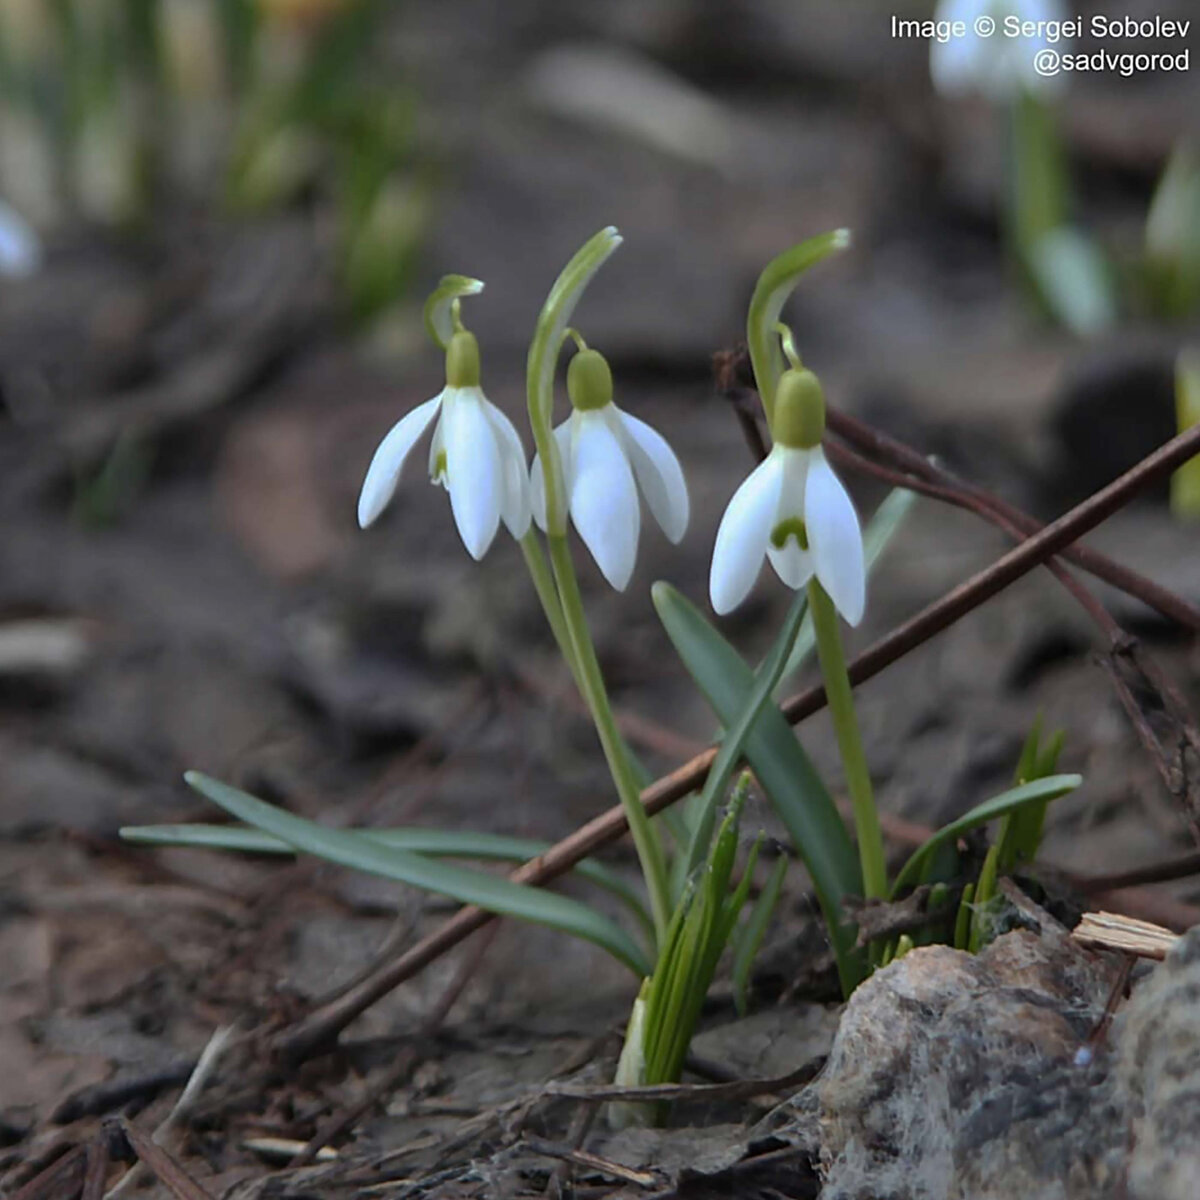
point(221, 219)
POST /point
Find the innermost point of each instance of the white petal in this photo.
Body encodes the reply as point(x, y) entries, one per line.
point(473, 469)
point(744, 533)
point(604, 503)
point(537, 477)
point(514, 505)
point(955, 63)
point(835, 539)
point(657, 471)
point(384, 471)
point(793, 565)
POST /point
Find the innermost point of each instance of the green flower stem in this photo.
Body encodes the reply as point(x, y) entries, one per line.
point(547, 593)
point(845, 724)
point(591, 683)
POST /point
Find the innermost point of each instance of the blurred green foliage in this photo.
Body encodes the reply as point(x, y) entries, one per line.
point(114, 110)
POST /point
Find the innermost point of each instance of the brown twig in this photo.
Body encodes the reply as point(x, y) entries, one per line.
point(593, 1162)
point(321, 1026)
point(888, 449)
point(1046, 543)
point(162, 1165)
point(61, 1178)
point(1175, 868)
point(737, 1089)
point(97, 1170)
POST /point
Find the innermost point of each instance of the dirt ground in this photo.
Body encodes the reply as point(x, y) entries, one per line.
point(231, 617)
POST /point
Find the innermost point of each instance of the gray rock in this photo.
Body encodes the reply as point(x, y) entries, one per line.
point(954, 1076)
point(1158, 1070)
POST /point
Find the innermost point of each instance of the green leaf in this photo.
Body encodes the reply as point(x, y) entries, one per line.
point(733, 743)
point(1038, 792)
point(780, 764)
point(1173, 236)
point(1185, 482)
point(775, 285)
point(466, 886)
point(436, 843)
point(755, 929)
point(1074, 280)
point(1040, 187)
point(440, 307)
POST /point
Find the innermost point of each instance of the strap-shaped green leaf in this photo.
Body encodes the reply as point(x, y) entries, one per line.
point(1038, 792)
point(466, 886)
point(780, 764)
point(750, 938)
point(436, 843)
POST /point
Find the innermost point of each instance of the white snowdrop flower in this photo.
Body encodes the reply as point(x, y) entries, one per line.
point(607, 457)
point(793, 510)
point(998, 65)
point(20, 247)
point(476, 455)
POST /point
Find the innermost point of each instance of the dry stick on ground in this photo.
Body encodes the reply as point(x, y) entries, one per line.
point(321, 1026)
point(164, 1166)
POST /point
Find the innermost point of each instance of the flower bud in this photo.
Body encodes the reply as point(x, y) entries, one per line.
point(589, 381)
point(799, 410)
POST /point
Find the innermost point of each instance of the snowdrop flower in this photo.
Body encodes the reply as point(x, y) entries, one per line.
point(999, 66)
point(476, 455)
point(794, 511)
point(607, 457)
point(20, 247)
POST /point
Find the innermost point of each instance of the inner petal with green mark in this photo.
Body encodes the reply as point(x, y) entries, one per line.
point(439, 475)
point(789, 527)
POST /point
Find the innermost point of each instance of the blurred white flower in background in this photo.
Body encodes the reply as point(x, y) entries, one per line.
point(998, 66)
point(20, 247)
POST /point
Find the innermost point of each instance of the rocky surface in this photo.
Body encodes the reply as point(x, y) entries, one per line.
point(956, 1077)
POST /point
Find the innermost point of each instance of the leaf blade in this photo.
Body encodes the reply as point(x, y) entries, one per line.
point(1037, 792)
point(490, 892)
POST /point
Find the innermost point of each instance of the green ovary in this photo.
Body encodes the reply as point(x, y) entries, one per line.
point(789, 527)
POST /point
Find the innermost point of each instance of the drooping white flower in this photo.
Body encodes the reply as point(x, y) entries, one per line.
point(476, 456)
point(794, 511)
point(607, 457)
point(999, 64)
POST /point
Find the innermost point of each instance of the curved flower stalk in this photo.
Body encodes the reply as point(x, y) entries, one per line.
point(794, 511)
point(607, 457)
point(997, 65)
point(476, 455)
